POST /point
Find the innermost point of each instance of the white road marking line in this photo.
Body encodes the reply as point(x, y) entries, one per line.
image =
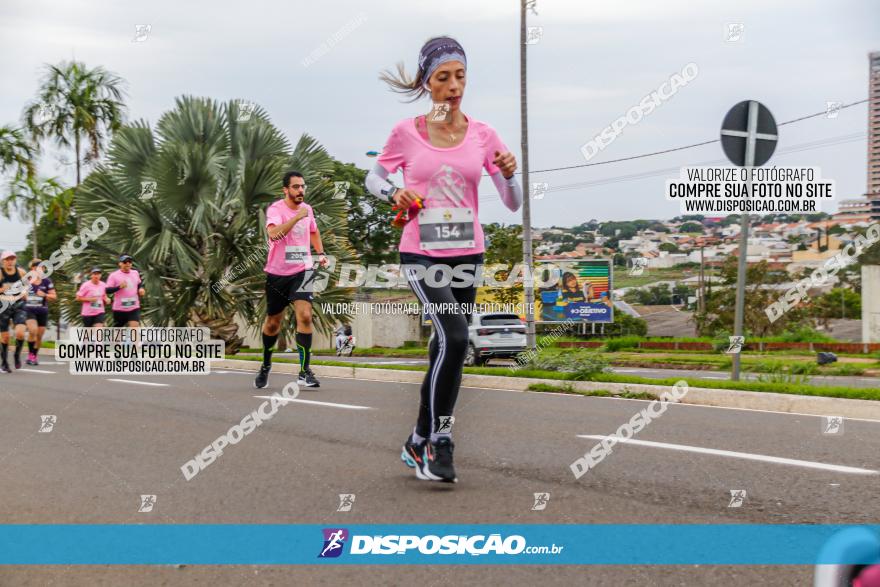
point(139, 382)
point(52, 363)
point(596, 397)
point(309, 401)
point(37, 371)
point(740, 455)
point(684, 405)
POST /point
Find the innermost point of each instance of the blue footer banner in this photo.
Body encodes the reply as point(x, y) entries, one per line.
point(561, 544)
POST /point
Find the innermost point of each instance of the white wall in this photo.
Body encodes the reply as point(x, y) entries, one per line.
point(870, 303)
point(370, 328)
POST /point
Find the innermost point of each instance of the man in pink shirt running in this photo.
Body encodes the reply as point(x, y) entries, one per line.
point(293, 232)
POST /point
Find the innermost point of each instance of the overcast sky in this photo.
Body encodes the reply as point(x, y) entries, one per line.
point(594, 61)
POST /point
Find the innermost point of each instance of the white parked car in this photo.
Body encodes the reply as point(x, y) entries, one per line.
point(495, 335)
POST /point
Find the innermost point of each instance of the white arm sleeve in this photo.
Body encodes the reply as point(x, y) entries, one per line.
point(509, 190)
point(377, 183)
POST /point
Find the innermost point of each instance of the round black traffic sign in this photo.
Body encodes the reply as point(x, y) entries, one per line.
point(749, 132)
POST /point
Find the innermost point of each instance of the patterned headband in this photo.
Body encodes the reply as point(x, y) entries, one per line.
point(439, 51)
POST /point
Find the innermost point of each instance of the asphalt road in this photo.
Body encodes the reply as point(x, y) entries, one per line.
point(116, 440)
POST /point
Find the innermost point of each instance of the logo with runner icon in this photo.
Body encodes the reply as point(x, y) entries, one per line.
point(832, 425)
point(736, 344)
point(147, 503)
point(737, 498)
point(245, 111)
point(346, 501)
point(340, 188)
point(638, 266)
point(47, 423)
point(334, 541)
point(148, 190)
point(439, 112)
point(541, 501)
point(444, 423)
point(539, 190)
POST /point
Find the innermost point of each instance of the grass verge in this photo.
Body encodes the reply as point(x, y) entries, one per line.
point(569, 388)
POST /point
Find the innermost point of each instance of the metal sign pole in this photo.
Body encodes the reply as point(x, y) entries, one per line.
point(740, 143)
point(744, 236)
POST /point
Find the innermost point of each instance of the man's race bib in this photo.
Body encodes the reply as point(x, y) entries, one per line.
point(296, 254)
point(97, 305)
point(446, 228)
point(34, 301)
point(128, 302)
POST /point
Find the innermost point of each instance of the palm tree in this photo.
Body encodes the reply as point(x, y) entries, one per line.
point(60, 207)
point(16, 152)
point(188, 201)
point(30, 197)
point(74, 105)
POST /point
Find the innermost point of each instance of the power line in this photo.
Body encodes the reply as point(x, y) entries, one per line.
point(821, 113)
point(626, 158)
point(652, 154)
point(832, 141)
point(808, 146)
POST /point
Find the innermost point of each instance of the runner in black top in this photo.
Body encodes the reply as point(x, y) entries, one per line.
point(13, 292)
point(40, 292)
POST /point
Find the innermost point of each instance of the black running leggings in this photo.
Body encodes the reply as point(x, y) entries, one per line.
point(449, 345)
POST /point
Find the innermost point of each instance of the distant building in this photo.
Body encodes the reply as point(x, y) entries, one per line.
point(852, 211)
point(873, 192)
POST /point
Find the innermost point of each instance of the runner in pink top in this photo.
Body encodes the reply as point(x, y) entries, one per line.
point(93, 295)
point(126, 286)
point(293, 231)
point(443, 156)
point(446, 178)
point(291, 253)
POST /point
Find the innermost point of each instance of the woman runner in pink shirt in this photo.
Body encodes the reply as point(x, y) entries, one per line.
point(93, 296)
point(443, 156)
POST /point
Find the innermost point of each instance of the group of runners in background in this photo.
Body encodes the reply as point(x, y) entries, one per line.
point(443, 156)
point(24, 303)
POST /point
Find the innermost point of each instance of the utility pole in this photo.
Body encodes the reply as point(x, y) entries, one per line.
point(742, 267)
point(527, 194)
point(701, 305)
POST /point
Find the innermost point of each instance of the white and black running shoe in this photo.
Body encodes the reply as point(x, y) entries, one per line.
point(307, 379)
point(437, 461)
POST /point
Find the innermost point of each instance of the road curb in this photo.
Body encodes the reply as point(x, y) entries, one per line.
point(726, 398)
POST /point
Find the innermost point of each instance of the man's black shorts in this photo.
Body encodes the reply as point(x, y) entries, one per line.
point(121, 319)
point(42, 318)
point(89, 321)
point(14, 312)
point(283, 289)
